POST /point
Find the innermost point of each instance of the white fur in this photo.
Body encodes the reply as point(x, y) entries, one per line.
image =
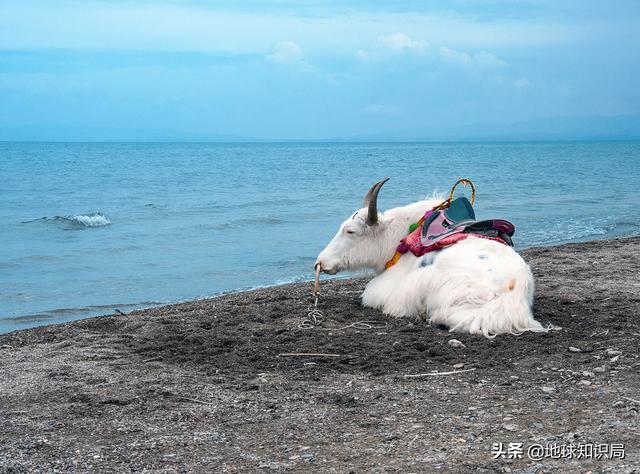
point(476, 285)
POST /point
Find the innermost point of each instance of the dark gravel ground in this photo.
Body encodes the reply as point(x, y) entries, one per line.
point(203, 386)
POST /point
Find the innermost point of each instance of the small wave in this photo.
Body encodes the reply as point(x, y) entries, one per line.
point(84, 311)
point(267, 220)
point(76, 221)
point(88, 220)
point(624, 225)
point(580, 233)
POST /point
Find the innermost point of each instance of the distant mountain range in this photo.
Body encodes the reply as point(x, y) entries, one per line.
point(60, 133)
point(621, 127)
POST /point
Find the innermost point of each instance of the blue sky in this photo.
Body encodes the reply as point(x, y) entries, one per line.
point(313, 69)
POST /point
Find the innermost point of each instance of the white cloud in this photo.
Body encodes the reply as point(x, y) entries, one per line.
point(286, 52)
point(522, 83)
point(483, 58)
point(488, 59)
point(362, 55)
point(399, 43)
point(453, 56)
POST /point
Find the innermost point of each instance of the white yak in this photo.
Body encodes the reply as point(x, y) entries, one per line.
point(477, 285)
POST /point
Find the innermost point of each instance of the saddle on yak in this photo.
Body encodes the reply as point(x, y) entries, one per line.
point(448, 223)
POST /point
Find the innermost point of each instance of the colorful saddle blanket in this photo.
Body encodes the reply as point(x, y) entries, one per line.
point(441, 228)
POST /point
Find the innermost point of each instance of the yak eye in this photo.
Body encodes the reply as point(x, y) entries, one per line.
point(350, 232)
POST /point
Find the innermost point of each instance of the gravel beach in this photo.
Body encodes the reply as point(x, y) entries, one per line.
point(228, 384)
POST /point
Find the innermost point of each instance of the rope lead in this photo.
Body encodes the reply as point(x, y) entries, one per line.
point(314, 315)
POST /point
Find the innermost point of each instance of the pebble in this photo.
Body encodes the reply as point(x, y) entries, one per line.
point(612, 352)
point(457, 344)
point(586, 373)
point(585, 382)
point(602, 368)
point(510, 427)
point(308, 457)
point(614, 359)
point(574, 349)
point(548, 389)
point(458, 365)
point(273, 465)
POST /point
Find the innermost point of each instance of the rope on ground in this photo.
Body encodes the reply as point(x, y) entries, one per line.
point(315, 316)
point(366, 325)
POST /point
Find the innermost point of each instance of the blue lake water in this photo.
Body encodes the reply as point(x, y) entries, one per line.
point(89, 227)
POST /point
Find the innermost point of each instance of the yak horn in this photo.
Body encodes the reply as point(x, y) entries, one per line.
point(371, 202)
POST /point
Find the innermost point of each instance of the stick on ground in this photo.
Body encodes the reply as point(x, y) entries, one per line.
point(308, 354)
point(408, 376)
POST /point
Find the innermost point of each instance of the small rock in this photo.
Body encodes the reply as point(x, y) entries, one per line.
point(457, 344)
point(574, 349)
point(548, 389)
point(533, 469)
point(308, 457)
point(602, 368)
point(614, 359)
point(612, 352)
point(274, 465)
point(510, 427)
point(619, 403)
point(458, 365)
point(586, 373)
point(585, 382)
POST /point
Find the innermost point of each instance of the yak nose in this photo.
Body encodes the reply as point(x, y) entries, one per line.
point(328, 270)
point(319, 267)
point(323, 268)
